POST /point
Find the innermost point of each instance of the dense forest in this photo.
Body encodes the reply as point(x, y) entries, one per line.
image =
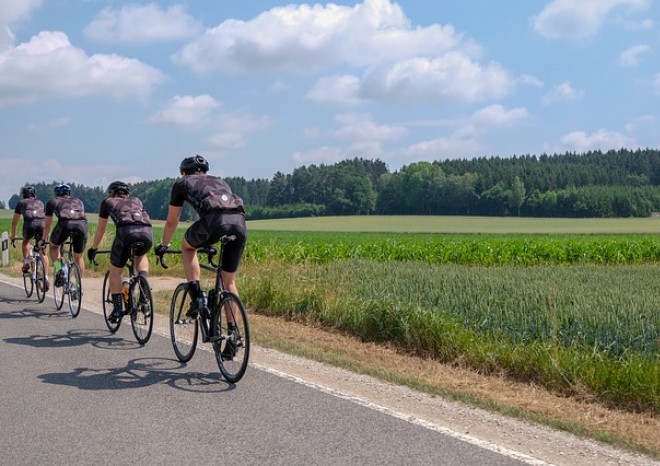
point(620, 183)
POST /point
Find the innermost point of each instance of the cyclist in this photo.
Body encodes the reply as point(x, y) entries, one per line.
point(32, 211)
point(133, 226)
point(220, 213)
point(72, 222)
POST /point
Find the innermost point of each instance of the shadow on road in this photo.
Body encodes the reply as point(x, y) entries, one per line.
point(139, 373)
point(76, 337)
point(37, 313)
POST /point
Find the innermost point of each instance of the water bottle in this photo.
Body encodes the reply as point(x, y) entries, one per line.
point(65, 271)
point(202, 301)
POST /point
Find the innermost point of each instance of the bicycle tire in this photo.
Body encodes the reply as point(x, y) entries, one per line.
point(236, 343)
point(28, 282)
point(184, 330)
point(58, 296)
point(74, 289)
point(40, 272)
point(142, 309)
point(108, 305)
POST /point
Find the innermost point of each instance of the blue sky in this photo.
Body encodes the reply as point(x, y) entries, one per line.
point(97, 90)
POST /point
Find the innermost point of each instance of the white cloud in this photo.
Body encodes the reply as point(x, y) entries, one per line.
point(321, 155)
point(562, 92)
point(341, 89)
point(233, 129)
point(306, 38)
point(453, 77)
point(531, 81)
point(656, 84)
point(575, 20)
point(361, 128)
point(579, 141)
point(142, 24)
point(497, 115)
point(449, 78)
point(70, 72)
point(455, 145)
point(186, 110)
point(12, 12)
point(630, 56)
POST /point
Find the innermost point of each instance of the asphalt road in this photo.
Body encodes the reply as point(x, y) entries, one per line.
point(72, 393)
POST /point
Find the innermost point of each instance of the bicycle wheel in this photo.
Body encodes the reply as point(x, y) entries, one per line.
point(58, 295)
point(108, 305)
point(74, 289)
point(28, 281)
point(142, 309)
point(232, 349)
point(40, 273)
point(183, 329)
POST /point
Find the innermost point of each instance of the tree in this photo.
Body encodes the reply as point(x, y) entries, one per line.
point(517, 194)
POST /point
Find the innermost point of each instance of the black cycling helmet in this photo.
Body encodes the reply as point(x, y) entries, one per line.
point(190, 165)
point(28, 191)
point(62, 190)
point(117, 186)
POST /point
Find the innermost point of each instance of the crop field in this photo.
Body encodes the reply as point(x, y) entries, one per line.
point(572, 305)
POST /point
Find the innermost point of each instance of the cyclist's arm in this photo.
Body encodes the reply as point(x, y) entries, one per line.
point(14, 224)
point(172, 221)
point(100, 231)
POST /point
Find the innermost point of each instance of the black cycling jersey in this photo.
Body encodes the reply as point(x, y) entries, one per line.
point(30, 208)
point(206, 194)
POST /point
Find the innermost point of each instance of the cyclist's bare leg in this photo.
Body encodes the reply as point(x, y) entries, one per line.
point(142, 264)
point(78, 258)
point(54, 251)
point(27, 248)
point(114, 279)
point(190, 261)
point(229, 281)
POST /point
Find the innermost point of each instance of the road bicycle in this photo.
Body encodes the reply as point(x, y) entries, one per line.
point(35, 277)
point(231, 348)
point(138, 302)
point(71, 286)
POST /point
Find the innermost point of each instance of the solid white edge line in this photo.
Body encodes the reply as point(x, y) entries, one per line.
point(409, 418)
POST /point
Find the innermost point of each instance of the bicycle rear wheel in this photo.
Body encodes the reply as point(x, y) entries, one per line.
point(74, 289)
point(183, 329)
point(40, 273)
point(58, 295)
point(142, 309)
point(232, 348)
point(28, 281)
point(108, 305)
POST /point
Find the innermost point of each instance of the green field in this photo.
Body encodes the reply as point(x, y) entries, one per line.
point(451, 224)
point(570, 304)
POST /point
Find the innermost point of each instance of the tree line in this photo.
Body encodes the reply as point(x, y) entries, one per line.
point(619, 183)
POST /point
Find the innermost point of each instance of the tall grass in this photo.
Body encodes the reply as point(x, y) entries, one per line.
point(581, 330)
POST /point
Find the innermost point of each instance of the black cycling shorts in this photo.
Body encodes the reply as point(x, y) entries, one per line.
point(33, 229)
point(127, 236)
point(77, 229)
point(207, 231)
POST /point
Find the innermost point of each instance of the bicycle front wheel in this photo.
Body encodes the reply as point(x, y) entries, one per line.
point(28, 282)
point(183, 329)
point(108, 305)
point(40, 274)
point(142, 309)
point(232, 346)
point(74, 289)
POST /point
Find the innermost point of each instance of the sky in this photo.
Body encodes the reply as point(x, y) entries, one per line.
point(93, 91)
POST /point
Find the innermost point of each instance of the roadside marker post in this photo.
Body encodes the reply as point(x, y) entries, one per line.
point(5, 248)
